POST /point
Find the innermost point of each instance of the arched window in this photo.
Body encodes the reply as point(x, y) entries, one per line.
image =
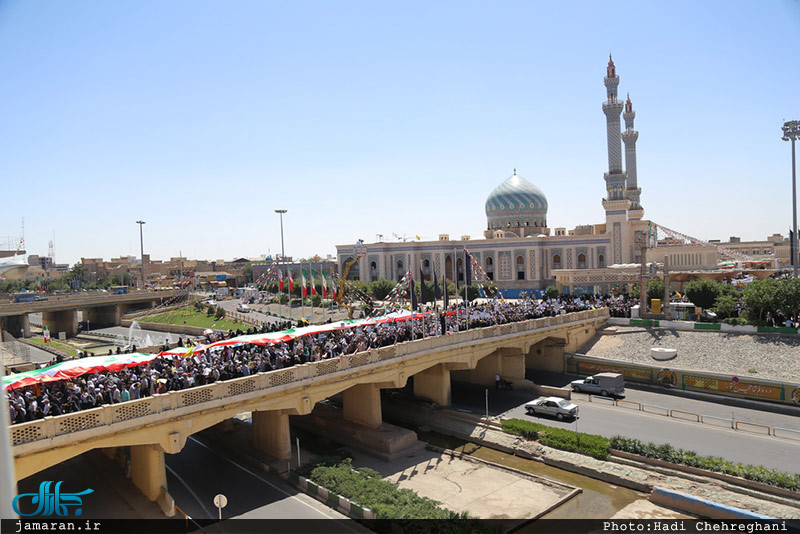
point(426, 269)
point(581, 261)
point(460, 269)
point(489, 268)
point(601, 261)
point(556, 261)
point(373, 271)
point(520, 268)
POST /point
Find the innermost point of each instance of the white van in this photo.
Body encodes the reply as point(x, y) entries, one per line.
point(605, 384)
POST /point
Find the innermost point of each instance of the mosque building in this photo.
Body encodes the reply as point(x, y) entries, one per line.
point(519, 252)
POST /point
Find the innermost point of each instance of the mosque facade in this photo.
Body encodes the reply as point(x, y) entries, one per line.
point(519, 252)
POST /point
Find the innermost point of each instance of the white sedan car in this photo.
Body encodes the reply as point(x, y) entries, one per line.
point(553, 406)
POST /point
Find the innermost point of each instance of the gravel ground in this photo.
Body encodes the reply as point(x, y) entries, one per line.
point(756, 356)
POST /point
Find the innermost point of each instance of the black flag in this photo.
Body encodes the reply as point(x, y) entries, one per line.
point(446, 302)
point(413, 293)
point(467, 268)
point(436, 293)
point(423, 295)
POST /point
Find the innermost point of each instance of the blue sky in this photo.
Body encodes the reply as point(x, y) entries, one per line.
point(366, 118)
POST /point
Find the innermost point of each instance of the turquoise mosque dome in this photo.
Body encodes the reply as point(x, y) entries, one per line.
point(516, 203)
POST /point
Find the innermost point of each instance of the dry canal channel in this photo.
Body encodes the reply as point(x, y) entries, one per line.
point(599, 500)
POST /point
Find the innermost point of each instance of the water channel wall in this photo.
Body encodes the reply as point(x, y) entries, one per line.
point(700, 507)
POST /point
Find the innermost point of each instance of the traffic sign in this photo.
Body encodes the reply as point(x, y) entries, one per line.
point(735, 379)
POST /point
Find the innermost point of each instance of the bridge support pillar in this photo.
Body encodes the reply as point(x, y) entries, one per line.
point(362, 405)
point(433, 384)
point(17, 325)
point(149, 474)
point(102, 316)
point(271, 434)
point(61, 321)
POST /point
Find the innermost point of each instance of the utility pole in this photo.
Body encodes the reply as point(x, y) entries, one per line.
point(791, 130)
point(141, 244)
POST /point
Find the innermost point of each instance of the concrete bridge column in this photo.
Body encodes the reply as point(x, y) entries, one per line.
point(149, 474)
point(102, 316)
point(362, 405)
point(61, 321)
point(271, 433)
point(434, 384)
point(17, 325)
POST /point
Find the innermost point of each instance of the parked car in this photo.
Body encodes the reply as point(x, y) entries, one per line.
point(243, 308)
point(605, 384)
point(553, 406)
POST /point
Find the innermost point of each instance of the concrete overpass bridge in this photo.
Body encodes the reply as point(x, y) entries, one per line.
point(60, 313)
point(161, 424)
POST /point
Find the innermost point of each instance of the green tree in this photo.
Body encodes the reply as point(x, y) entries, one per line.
point(472, 292)
point(380, 289)
point(247, 271)
point(788, 297)
point(702, 292)
point(725, 305)
point(220, 312)
point(655, 290)
point(551, 292)
point(760, 297)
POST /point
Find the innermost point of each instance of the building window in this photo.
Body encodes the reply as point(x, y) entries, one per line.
point(601, 261)
point(426, 269)
point(520, 268)
point(373, 271)
point(581, 261)
point(400, 272)
point(489, 268)
point(460, 269)
point(557, 261)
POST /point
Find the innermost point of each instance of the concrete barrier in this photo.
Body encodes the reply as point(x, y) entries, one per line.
point(700, 507)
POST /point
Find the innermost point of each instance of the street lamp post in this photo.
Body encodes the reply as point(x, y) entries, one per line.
point(281, 212)
point(791, 130)
point(283, 259)
point(141, 244)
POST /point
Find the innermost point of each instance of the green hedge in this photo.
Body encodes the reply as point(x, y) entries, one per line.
point(668, 453)
point(365, 488)
point(559, 438)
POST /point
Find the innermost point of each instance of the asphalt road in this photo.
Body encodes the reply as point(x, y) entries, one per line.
point(198, 473)
point(714, 438)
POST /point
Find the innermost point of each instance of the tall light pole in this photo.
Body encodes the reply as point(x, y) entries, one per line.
point(141, 244)
point(283, 253)
point(791, 130)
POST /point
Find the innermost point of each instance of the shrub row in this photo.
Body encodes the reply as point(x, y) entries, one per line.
point(668, 453)
point(559, 438)
point(365, 487)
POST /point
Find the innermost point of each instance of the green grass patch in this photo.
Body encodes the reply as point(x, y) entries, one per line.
point(190, 316)
point(67, 349)
point(668, 453)
point(559, 438)
point(707, 326)
point(367, 489)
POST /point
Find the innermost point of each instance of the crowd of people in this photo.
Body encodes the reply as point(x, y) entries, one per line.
point(171, 373)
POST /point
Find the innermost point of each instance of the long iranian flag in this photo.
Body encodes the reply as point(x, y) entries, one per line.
point(291, 280)
point(280, 280)
point(324, 285)
point(303, 275)
point(313, 284)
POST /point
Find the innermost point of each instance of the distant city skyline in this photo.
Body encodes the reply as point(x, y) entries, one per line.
point(201, 118)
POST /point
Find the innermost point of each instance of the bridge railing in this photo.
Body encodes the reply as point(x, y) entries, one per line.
point(93, 299)
point(53, 426)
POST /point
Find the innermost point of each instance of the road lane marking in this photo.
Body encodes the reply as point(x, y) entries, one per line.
point(191, 492)
point(265, 481)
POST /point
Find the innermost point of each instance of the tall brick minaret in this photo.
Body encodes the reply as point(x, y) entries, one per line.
point(629, 137)
point(616, 202)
